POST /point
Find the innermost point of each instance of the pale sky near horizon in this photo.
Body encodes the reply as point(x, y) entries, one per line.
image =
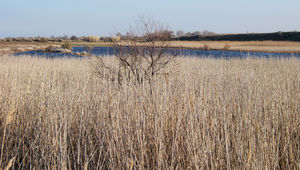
point(20, 18)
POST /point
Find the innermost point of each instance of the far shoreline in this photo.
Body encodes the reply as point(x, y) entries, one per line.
point(244, 46)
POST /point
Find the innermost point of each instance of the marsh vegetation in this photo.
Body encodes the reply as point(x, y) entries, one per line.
point(208, 114)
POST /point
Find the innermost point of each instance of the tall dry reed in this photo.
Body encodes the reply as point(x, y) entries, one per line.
point(211, 114)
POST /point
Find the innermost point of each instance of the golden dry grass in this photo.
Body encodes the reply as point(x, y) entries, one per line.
point(14, 47)
point(264, 46)
point(211, 114)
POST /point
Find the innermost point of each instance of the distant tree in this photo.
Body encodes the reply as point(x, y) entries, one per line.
point(180, 33)
point(43, 39)
point(73, 38)
point(196, 33)
point(128, 34)
point(162, 34)
point(208, 33)
point(65, 37)
point(170, 33)
point(9, 39)
point(83, 38)
point(188, 34)
point(119, 34)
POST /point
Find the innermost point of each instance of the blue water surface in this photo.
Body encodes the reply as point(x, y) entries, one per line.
point(108, 51)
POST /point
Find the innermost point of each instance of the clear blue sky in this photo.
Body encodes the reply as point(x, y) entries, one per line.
point(98, 17)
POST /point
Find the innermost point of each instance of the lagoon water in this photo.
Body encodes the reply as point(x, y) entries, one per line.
point(107, 51)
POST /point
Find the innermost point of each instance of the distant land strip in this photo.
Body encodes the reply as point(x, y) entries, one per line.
point(276, 36)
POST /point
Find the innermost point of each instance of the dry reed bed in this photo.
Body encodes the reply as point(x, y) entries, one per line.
point(14, 47)
point(211, 114)
point(263, 46)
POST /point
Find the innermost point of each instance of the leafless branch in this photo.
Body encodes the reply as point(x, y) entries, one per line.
point(144, 53)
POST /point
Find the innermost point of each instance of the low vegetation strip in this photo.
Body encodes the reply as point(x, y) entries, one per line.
point(277, 36)
point(262, 46)
point(15, 47)
point(209, 113)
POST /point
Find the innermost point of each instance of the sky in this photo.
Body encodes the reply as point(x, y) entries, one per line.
point(26, 18)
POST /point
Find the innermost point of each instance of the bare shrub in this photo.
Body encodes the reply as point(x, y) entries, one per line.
point(143, 56)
